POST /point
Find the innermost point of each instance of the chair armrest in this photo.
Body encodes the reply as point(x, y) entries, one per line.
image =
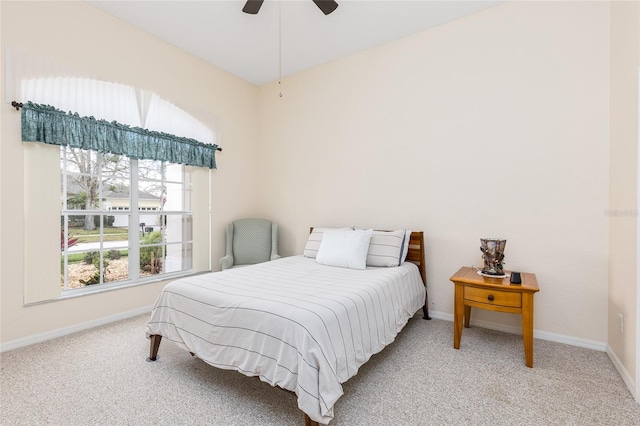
point(226, 262)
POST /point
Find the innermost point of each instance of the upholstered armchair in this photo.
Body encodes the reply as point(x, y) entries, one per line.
point(250, 241)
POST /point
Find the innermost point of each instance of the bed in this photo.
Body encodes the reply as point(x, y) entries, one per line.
point(294, 323)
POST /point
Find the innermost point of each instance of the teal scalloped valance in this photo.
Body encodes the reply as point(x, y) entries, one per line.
point(44, 123)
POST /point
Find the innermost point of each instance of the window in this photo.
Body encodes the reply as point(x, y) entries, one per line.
point(122, 220)
point(118, 194)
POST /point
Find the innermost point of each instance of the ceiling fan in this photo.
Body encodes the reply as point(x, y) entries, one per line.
point(326, 6)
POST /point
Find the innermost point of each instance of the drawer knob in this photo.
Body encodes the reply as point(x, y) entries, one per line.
point(490, 297)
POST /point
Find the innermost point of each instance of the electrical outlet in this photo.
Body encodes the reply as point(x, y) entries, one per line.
point(621, 323)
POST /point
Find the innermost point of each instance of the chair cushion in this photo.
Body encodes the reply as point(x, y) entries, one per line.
point(251, 241)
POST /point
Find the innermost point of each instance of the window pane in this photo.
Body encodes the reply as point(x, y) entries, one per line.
point(116, 264)
point(151, 254)
point(174, 198)
point(82, 192)
point(114, 169)
point(115, 233)
point(150, 170)
point(174, 173)
point(118, 219)
point(159, 259)
point(80, 161)
point(178, 228)
point(149, 222)
point(115, 195)
point(150, 200)
point(83, 269)
point(178, 257)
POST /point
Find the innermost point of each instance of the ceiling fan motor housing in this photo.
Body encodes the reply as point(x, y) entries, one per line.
point(252, 7)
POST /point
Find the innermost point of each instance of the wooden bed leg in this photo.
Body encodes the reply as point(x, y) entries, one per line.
point(308, 421)
point(425, 312)
point(153, 347)
point(425, 308)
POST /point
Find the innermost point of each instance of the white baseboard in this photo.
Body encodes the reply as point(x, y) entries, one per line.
point(544, 335)
point(42, 337)
point(626, 377)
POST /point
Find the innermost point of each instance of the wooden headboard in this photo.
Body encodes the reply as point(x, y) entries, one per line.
point(416, 253)
point(416, 256)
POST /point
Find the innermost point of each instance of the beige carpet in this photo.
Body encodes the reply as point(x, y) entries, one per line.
point(100, 377)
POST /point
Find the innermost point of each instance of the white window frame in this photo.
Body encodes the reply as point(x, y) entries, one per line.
point(133, 243)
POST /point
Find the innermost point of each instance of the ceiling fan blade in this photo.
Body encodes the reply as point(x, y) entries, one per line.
point(326, 6)
point(252, 6)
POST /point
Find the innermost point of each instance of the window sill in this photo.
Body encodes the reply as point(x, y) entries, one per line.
point(101, 288)
point(106, 287)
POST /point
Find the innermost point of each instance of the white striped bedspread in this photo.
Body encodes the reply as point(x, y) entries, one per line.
point(294, 323)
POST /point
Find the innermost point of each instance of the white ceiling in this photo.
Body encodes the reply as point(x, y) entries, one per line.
point(248, 47)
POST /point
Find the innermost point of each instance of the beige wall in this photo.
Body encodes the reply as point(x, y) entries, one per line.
point(623, 280)
point(495, 125)
point(83, 37)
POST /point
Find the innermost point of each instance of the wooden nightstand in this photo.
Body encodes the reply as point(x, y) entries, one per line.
point(494, 294)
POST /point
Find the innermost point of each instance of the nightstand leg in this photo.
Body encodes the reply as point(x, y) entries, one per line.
point(527, 327)
point(458, 311)
point(467, 315)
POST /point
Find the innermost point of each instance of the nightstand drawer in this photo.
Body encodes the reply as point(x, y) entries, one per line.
point(493, 297)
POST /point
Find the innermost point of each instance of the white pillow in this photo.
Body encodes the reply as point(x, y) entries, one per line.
point(386, 248)
point(344, 248)
point(405, 249)
point(314, 240)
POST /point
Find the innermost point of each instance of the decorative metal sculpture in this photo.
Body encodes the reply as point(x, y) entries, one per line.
point(493, 254)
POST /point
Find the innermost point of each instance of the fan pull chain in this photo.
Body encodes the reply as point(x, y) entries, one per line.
point(280, 47)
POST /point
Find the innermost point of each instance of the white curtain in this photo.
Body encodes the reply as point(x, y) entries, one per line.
point(163, 116)
point(42, 81)
point(88, 97)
